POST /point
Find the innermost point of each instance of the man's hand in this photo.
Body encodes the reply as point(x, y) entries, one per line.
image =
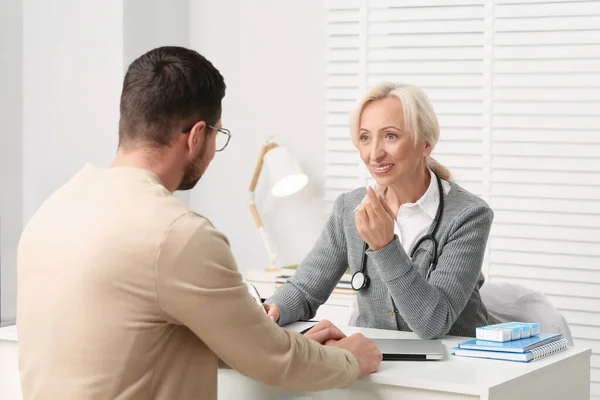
point(375, 221)
point(324, 331)
point(272, 311)
point(366, 352)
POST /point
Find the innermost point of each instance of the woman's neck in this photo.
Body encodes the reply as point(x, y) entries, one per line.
point(409, 189)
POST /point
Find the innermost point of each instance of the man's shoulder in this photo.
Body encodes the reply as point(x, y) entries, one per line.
point(190, 242)
point(195, 226)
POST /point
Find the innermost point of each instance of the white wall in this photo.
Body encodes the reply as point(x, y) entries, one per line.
point(271, 54)
point(75, 56)
point(73, 65)
point(151, 23)
point(11, 46)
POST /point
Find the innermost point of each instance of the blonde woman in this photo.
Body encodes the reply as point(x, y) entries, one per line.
point(414, 241)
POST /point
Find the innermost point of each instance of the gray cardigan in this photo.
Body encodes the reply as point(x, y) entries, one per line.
point(399, 297)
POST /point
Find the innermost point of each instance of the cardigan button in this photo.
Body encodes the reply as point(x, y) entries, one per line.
point(391, 313)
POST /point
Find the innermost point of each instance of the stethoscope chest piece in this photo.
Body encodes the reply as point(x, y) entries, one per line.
point(359, 281)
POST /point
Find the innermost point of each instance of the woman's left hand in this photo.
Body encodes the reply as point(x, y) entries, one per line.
point(375, 221)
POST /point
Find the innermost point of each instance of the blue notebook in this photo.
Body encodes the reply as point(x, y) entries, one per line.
point(532, 355)
point(514, 346)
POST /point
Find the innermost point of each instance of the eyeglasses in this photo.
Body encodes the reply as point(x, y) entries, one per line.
point(222, 139)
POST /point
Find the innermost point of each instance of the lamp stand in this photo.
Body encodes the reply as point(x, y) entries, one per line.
point(257, 220)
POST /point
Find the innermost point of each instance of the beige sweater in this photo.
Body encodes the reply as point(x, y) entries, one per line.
point(125, 293)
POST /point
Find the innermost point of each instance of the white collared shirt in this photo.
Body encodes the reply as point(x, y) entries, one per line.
point(414, 219)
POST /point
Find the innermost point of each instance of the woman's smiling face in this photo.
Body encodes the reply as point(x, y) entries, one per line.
point(390, 152)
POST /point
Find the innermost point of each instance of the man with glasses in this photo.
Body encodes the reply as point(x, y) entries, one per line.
point(124, 292)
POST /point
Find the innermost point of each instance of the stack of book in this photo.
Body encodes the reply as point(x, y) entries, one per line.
point(512, 341)
point(342, 287)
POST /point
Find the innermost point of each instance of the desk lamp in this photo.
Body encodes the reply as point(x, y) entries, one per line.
point(286, 178)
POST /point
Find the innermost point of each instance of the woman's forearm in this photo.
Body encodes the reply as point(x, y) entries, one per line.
point(317, 275)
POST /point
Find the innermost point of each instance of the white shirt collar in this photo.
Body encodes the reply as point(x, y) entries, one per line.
point(429, 202)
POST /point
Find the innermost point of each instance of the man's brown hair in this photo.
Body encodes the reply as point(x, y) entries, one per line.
point(164, 90)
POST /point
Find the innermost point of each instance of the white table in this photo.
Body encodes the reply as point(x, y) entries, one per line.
point(10, 386)
point(561, 376)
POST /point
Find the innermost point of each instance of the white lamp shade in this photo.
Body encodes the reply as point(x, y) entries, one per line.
point(286, 176)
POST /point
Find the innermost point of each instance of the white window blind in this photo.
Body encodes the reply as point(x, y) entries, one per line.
point(516, 86)
point(437, 45)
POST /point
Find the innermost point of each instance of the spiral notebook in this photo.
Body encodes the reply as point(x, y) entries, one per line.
point(528, 356)
point(514, 346)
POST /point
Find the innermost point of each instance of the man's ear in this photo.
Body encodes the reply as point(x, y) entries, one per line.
point(196, 137)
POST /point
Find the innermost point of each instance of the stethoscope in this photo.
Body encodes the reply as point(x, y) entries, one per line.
point(360, 280)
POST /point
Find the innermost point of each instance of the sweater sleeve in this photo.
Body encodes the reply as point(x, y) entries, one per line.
point(430, 308)
point(317, 275)
point(198, 286)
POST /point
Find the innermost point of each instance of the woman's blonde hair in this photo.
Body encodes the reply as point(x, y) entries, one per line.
point(419, 117)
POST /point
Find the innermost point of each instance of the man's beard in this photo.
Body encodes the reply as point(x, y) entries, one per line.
point(193, 172)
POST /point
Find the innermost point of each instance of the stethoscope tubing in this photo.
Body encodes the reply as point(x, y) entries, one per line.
point(360, 280)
